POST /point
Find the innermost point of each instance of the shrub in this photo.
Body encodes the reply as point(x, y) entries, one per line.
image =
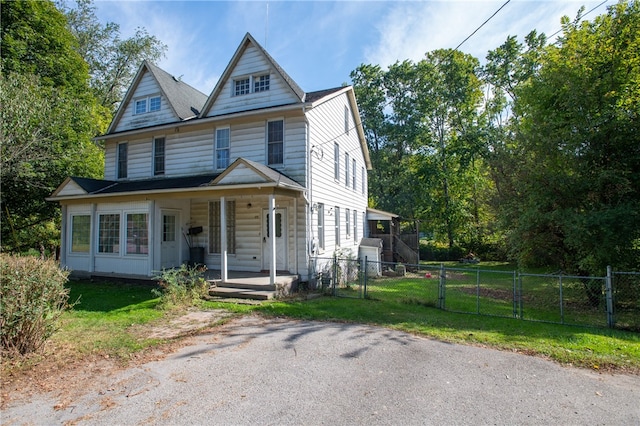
point(181, 287)
point(32, 298)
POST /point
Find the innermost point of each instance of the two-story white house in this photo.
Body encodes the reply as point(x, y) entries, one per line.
point(258, 176)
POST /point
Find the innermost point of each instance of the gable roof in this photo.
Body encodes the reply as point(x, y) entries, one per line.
point(240, 172)
point(246, 42)
point(185, 101)
point(254, 173)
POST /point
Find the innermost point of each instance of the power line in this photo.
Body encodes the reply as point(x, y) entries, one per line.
point(582, 16)
point(482, 25)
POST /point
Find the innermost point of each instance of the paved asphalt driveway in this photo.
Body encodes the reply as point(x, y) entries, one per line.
point(257, 371)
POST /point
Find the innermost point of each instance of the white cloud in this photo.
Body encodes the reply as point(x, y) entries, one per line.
point(411, 29)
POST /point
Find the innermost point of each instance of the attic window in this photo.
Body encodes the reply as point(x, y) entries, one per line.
point(149, 104)
point(242, 86)
point(251, 84)
point(261, 83)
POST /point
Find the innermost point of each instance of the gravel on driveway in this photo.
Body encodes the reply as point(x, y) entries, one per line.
point(279, 371)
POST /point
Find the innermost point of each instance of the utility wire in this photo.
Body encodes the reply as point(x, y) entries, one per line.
point(482, 25)
point(582, 16)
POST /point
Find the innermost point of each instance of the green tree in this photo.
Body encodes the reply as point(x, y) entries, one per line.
point(112, 61)
point(578, 204)
point(48, 118)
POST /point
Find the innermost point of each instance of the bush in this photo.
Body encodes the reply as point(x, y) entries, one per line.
point(181, 287)
point(32, 298)
point(433, 251)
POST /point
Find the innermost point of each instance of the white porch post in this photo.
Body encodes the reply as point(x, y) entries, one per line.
point(63, 236)
point(272, 228)
point(223, 240)
point(151, 240)
point(93, 232)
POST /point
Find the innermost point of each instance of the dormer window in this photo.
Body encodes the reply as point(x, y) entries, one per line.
point(149, 104)
point(251, 84)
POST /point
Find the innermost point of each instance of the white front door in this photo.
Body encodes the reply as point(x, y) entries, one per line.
point(169, 241)
point(280, 235)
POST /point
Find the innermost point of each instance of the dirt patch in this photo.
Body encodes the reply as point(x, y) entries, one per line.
point(56, 370)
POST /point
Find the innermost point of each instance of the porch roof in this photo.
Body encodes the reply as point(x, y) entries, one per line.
point(74, 188)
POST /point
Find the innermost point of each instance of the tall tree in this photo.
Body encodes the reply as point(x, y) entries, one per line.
point(579, 198)
point(112, 61)
point(47, 120)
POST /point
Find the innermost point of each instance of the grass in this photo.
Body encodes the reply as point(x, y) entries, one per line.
point(110, 319)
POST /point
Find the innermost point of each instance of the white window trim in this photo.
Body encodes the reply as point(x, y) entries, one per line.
point(123, 233)
point(215, 147)
point(266, 141)
point(120, 232)
point(252, 81)
point(164, 155)
point(70, 232)
point(147, 104)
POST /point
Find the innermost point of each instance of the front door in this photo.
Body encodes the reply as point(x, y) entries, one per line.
point(280, 234)
point(169, 241)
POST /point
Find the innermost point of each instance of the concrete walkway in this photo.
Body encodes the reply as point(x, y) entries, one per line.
point(277, 371)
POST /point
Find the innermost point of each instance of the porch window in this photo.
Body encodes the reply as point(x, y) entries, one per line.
point(80, 233)
point(320, 225)
point(336, 161)
point(109, 233)
point(337, 224)
point(137, 233)
point(122, 160)
point(347, 165)
point(158, 156)
point(222, 148)
point(275, 142)
point(215, 227)
point(347, 222)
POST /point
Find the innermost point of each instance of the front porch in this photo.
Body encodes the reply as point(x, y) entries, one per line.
point(250, 285)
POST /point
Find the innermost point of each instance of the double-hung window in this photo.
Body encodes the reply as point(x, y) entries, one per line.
point(158, 156)
point(222, 148)
point(364, 180)
point(354, 173)
point(320, 226)
point(355, 227)
point(347, 166)
point(215, 227)
point(275, 142)
point(346, 120)
point(122, 160)
point(347, 222)
point(336, 161)
point(80, 233)
point(337, 224)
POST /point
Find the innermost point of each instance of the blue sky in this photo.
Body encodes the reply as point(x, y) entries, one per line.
point(319, 43)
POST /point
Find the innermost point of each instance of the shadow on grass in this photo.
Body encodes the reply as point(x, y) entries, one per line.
point(109, 296)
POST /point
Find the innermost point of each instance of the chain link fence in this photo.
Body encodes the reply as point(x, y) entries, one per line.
point(612, 300)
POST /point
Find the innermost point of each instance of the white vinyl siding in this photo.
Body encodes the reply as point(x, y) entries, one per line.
point(145, 97)
point(251, 65)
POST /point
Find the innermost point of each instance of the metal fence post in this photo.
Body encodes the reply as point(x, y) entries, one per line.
point(365, 276)
point(441, 286)
point(608, 284)
point(515, 295)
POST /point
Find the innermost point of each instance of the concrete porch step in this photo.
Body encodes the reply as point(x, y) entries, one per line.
point(245, 284)
point(241, 293)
